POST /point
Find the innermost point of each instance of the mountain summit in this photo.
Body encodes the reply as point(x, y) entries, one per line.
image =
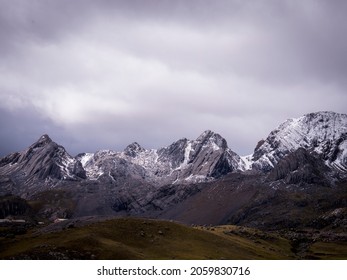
point(42, 164)
point(324, 133)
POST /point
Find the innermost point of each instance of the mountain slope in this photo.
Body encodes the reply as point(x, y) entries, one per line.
point(44, 163)
point(324, 133)
point(296, 200)
point(299, 167)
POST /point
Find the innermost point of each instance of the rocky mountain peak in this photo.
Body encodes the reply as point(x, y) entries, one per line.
point(45, 137)
point(209, 137)
point(133, 149)
point(324, 133)
point(42, 141)
point(44, 161)
point(206, 134)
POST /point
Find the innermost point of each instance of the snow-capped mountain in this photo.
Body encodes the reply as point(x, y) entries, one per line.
point(324, 133)
point(46, 164)
point(184, 161)
point(203, 159)
point(304, 152)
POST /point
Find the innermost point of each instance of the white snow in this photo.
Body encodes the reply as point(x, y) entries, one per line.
point(196, 178)
point(187, 151)
point(246, 162)
point(66, 165)
point(86, 158)
point(215, 147)
point(146, 158)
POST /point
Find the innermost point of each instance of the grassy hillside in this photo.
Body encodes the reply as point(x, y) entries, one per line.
point(133, 238)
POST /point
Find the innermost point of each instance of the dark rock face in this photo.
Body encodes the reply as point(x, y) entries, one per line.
point(300, 166)
point(79, 171)
point(10, 159)
point(133, 149)
point(260, 143)
point(221, 167)
point(174, 153)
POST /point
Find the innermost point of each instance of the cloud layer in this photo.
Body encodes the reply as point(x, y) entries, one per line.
point(102, 74)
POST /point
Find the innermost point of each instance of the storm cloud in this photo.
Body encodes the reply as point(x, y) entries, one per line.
point(102, 74)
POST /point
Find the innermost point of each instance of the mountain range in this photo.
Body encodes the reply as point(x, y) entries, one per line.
point(296, 178)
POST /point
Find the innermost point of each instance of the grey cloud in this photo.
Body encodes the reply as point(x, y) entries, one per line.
point(105, 73)
point(287, 40)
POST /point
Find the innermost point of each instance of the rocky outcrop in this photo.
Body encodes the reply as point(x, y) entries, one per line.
point(300, 166)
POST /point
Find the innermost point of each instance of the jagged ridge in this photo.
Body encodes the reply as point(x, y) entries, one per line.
point(45, 163)
point(202, 159)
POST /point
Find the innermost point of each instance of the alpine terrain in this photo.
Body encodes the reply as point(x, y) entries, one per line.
point(286, 200)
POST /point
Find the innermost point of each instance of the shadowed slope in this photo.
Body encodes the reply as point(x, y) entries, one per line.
point(140, 239)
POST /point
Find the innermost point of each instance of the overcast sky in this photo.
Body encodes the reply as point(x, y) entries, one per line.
point(102, 74)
